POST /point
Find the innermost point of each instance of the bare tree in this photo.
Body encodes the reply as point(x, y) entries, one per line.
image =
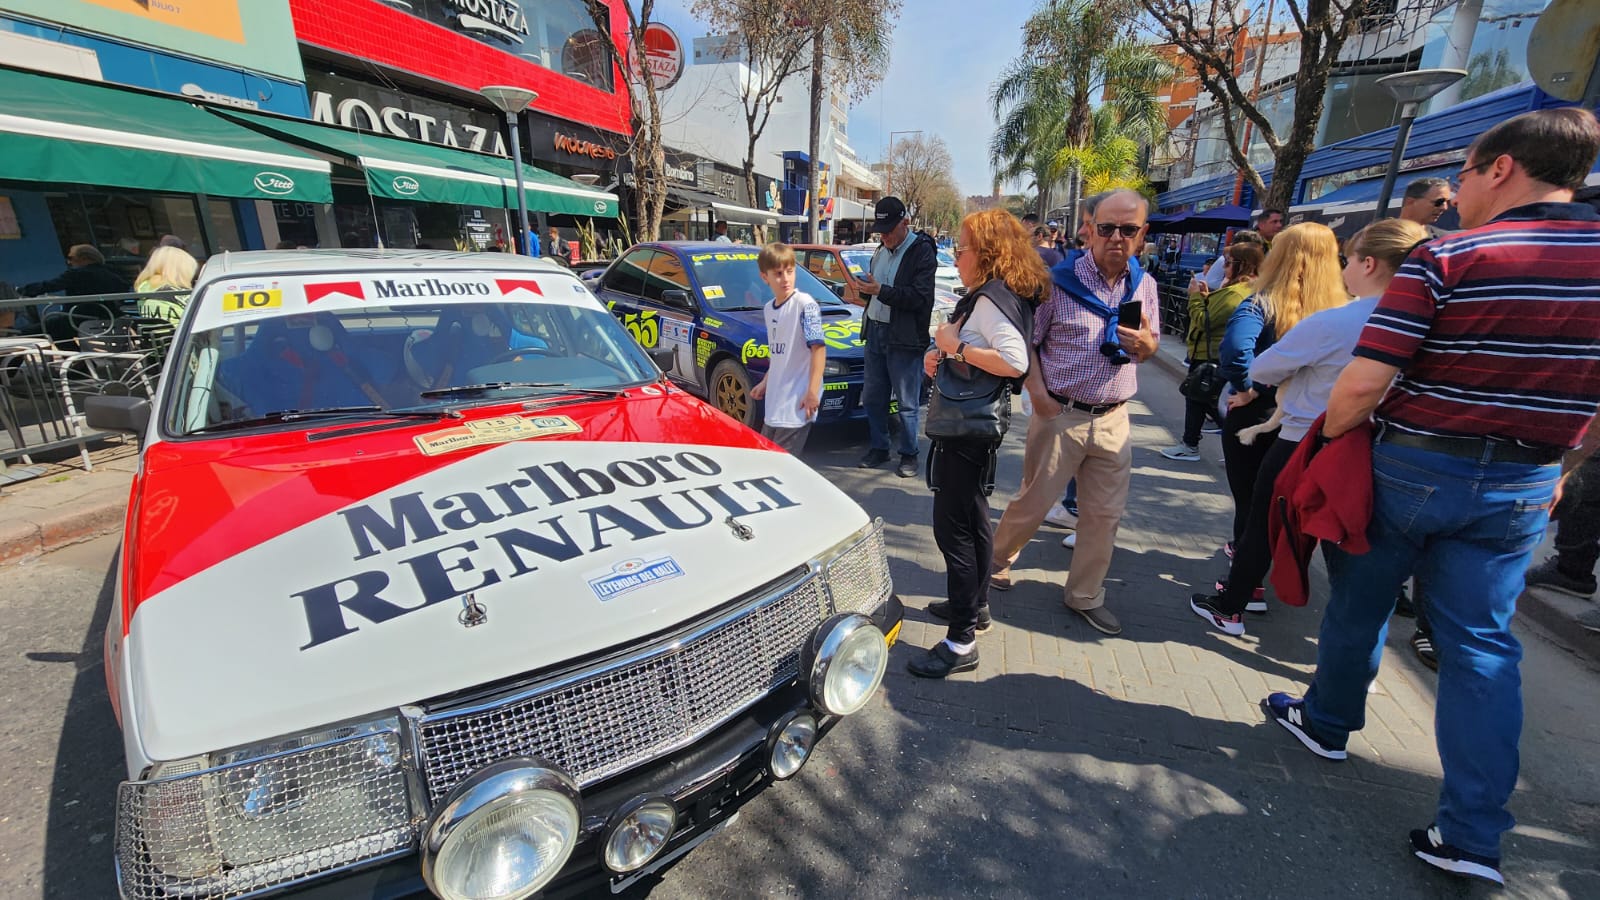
point(919, 166)
point(849, 42)
point(627, 52)
point(765, 30)
point(1211, 33)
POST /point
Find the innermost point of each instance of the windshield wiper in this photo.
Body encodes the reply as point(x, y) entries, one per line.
point(483, 388)
point(740, 309)
point(328, 412)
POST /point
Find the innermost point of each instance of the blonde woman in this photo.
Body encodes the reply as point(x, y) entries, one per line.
point(989, 329)
point(169, 269)
point(1305, 363)
point(1300, 277)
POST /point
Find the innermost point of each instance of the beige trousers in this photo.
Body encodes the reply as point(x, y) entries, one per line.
point(1095, 450)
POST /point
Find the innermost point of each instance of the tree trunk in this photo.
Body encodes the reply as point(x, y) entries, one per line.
point(818, 59)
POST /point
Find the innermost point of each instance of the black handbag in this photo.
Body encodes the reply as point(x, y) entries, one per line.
point(968, 404)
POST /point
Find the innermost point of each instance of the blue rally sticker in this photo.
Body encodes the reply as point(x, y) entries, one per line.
point(632, 574)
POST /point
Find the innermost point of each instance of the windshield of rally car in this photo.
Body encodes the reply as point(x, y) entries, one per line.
point(732, 281)
point(404, 357)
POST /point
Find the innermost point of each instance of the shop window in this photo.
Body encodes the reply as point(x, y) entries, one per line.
point(224, 226)
point(126, 226)
point(562, 37)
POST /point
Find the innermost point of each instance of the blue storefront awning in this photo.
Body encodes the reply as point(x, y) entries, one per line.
point(1364, 194)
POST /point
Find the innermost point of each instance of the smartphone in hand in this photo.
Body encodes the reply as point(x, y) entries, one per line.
point(1130, 314)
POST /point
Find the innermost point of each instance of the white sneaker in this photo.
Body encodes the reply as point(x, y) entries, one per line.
point(1070, 541)
point(1060, 517)
point(1182, 453)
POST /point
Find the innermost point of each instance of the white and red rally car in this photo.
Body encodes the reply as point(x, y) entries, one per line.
point(431, 579)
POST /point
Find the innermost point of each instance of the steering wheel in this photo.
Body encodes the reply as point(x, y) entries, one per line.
point(518, 352)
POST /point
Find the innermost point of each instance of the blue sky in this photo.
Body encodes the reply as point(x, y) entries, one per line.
point(946, 55)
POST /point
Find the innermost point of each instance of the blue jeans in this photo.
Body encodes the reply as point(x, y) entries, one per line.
point(1466, 529)
point(891, 369)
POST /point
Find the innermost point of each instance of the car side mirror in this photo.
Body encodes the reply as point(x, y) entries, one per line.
point(662, 356)
point(676, 298)
point(112, 413)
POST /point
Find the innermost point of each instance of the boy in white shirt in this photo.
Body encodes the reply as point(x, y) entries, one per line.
point(793, 383)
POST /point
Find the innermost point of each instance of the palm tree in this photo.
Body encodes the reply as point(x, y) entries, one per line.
point(1049, 129)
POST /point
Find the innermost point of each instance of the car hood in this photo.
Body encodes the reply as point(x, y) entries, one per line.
point(286, 583)
point(841, 329)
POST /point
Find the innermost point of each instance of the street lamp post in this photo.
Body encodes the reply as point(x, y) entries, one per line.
point(1411, 90)
point(512, 101)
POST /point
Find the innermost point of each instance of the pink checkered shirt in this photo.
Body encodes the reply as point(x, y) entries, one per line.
point(1068, 337)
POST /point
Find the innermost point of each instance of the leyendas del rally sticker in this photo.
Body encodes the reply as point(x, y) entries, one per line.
point(499, 430)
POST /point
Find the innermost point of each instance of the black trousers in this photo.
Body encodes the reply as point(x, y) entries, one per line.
point(1195, 415)
point(1578, 522)
point(1243, 461)
point(1252, 555)
point(962, 530)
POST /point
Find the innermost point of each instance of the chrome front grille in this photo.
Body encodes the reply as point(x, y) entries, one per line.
point(598, 723)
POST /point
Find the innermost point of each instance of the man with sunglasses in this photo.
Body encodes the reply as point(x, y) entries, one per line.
point(1481, 364)
point(1083, 374)
point(1425, 200)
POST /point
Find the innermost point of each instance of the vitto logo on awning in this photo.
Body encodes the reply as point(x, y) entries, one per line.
point(405, 184)
point(600, 206)
point(275, 183)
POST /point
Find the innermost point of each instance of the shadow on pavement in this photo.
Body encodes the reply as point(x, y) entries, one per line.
point(89, 766)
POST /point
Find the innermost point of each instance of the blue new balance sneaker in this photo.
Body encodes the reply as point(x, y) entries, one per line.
point(1429, 846)
point(1290, 712)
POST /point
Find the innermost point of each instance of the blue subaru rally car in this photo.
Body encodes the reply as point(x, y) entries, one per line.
point(704, 300)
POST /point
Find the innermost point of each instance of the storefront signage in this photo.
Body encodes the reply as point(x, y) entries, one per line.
point(405, 184)
point(274, 183)
point(503, 18)
point(566, 143)
point(348, 103)
point(663, 55)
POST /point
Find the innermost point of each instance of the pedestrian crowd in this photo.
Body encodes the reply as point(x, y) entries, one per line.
point(1419, 403)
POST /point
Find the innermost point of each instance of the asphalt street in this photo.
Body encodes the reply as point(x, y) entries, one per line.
point(1069, 764)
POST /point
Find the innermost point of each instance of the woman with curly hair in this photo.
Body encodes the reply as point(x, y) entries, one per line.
point(990, 329)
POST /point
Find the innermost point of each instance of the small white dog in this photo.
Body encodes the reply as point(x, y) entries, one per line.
point(1247, 436)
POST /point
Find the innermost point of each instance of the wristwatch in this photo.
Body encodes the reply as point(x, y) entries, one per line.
point(958, 356)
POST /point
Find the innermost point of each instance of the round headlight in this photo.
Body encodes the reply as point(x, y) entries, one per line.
point(791, 744)
point(847, 660)
point(638, 832)
point(503, 833)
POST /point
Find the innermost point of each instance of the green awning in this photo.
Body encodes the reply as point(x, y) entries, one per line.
point(69, 132)
point(409, 170)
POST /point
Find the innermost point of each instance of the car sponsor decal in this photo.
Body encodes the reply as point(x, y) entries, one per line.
point(752, 350)
point(842, 335)
point(350, 289)
point(736, 256)
point(507, 285)
point(675, 331)
point(499, 430)
point(710, 322)
point(702, 351)
point(854, 269)
point(251, 298)
point(836, 386)
point(412, 549)
point(632, 574)
point(644, 326)
point(713, 292)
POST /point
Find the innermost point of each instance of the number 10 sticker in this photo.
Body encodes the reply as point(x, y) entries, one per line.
point(249, 301)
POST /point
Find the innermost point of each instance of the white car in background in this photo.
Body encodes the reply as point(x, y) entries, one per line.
point(946, 276)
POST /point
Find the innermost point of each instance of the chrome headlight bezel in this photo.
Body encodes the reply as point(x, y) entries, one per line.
point(483, 794)
point(833, 649)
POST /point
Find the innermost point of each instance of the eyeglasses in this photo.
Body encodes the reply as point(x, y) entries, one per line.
point(1441, 202)
point(1455, 180)
point(1108, 230)
point(1343, 261)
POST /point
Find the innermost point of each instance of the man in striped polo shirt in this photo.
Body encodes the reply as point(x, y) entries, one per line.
point(1494, 334)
